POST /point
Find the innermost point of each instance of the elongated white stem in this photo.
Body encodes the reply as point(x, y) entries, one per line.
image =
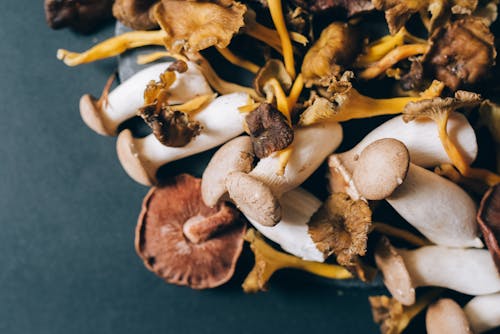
point(125, 99)
point(470, 271)
point(483, 312)
point(291, 233)
point(311, 146)
point(221, 121)
point(437, 207)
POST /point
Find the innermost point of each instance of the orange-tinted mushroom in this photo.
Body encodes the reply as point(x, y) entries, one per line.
point(488, 218)
point(184, 241)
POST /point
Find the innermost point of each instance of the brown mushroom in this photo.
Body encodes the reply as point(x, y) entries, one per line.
point(488, 218)
point(269, 130)
point(185, 242)
point(82, 15)
point(461, 53)
point(352, 7)
point(135, 14)
point(340, 226)
point(273, 68)
point(446, 316)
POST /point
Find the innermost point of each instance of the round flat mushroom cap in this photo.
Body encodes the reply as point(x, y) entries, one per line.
point(446, 316)
point(396, 276)
point(381, 168)
point(168, 252)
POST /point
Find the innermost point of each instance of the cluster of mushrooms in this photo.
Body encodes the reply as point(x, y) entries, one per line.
point(316, 64)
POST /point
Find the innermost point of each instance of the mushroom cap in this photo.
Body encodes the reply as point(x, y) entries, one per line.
point(396, 276)
point(130, 159)
point(166, 251)
point(381, 168)
point(92, 116)
point(135, 14)
point(488, 218)
point(235, 155)
point(446, 316)
point(273, 68)
point(254, 198)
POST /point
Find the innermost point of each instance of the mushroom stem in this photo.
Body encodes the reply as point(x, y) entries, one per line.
point(112, 47)
point(221, 121)
point(124, 100)
point(483, 312)
point(200, 228)
point(399, 233)
point(276, 10)
point(393, 57)
point(235, 60)
point(269, 260)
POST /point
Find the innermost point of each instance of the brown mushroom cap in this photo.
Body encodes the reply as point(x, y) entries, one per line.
point(396, 276)
point(135, 14)
point(381, 168)
point(488, 218)
point(273, 68)
point(161, 243)
point(446, 316)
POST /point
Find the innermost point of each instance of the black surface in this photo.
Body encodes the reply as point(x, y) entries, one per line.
point(68, 213)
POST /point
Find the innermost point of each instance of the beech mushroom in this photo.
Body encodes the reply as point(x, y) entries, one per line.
point(220, 120)
point(383, 170)
point(185, 242)
point(469, 271)
point(122, 102)
point(480, 314)
point(421, 140)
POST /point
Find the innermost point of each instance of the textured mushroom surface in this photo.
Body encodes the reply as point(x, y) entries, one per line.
point(488, 218)
point(135, 13)
point(161, 243)
point(82, 15)
point(352, 7)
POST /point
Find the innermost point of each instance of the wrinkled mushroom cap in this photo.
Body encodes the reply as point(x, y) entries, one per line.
point(382, 167)
point(167, 251)
point(387, 312)
point(396, 276)
point(194, 26)
point(135, 14)
point(352, 7)
point(488, 218)
point(446, 316)
point(273, 68)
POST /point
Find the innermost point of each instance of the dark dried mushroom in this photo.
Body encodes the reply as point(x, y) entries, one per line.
point(488, 218)
point(206, 257)
point(461, 53)
point(135, 14)
point(352, 7)
point(413, 80)
point(340, 227)
point(269, 130)
point(336, 49)
point(171, 127)
point(194, 26)
point(82, 15)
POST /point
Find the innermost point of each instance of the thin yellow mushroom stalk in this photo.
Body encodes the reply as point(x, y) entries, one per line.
point(276, 10)
point(439, 109)
point(235, 60)
point(154, 56)
point(393, 317)
point(352, 105)
point(399, 233)
point(194, 105)
point(112, 47)
point(268, 261)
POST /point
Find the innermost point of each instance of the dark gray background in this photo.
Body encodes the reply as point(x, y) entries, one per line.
point(68, 212)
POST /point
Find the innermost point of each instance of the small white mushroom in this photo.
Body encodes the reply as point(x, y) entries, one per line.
point(438, 208)
point(470, 271)
point(420, 137)
point(125, 99)
point(480, 314)
point(221, 121)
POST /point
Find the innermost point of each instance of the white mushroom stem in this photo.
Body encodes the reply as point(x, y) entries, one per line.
point(483, 312)
point(221, 121)
point(125, 99)
point(470, 271)
point(438, 208)
point(292, 232)
point(311, 145)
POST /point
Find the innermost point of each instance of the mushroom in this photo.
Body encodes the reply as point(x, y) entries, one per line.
point(122, 103)
point(83, 15)
point(353, 7)
point(435, 206)
point(469, 271)
point(135, 14)
point(480, 314)
point(221, 121)
point(185, 242)
point(488, 218)
point(421, 140)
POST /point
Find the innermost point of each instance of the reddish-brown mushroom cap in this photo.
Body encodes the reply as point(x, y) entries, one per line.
point(446, 316)
point(488, 218)
point(161, 243)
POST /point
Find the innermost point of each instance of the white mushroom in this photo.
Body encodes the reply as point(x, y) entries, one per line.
point(470, 271)
point(483, 312)
point(420, 137)
point(438, 208)
point(221, 121)
point(124, 100)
